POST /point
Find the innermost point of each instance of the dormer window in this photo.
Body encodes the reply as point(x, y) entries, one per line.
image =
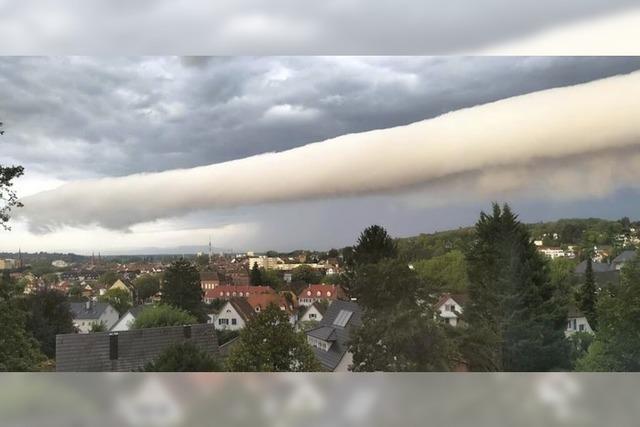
point(328, 293)
point(318, 293)
point(308, 293)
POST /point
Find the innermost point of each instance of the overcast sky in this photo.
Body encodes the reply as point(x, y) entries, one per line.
point(69, 119)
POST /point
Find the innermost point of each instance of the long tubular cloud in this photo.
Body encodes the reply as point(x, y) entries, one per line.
point(550, 125)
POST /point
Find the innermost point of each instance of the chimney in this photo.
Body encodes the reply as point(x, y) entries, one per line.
point(88, 305)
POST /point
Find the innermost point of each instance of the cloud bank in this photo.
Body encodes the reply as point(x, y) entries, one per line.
point(495, 140)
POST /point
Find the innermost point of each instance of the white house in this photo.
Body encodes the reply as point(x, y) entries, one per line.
point(126, 321)
point(576, 322)
point(85, 314)
point(314, 312)
point(449, 308)
point(234, 315)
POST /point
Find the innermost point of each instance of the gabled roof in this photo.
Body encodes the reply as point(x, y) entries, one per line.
point(338, 335)
point(322, 308)
point(460, 299)
point(321, 291)
point(598, 267)
point(624, 257)
point(208, 276)
point(96, 309)
point(243, 308)
point(264, 300)
point(325, 333)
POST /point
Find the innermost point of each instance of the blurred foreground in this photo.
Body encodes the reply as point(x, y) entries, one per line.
point(281, 400)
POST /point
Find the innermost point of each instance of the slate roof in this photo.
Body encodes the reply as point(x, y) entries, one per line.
point(340, 344)
point(325, 333)
point(208, 276)
point(244, 309)
point(79, 310)
point(598, 267)
point(127, 351)
point(624, 257)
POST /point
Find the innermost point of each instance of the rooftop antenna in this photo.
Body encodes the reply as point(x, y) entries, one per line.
point(210, 250)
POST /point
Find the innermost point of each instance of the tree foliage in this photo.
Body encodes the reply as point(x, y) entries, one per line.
point(269, 343)
point(516, 317)
point(373, 245)
point(616, 346)
point(119, 299)
point(48, 314)
point(146, 286)
point(447, 273)
point(587, 297)
point(255, 276)
point(182, 289)
point(8, 197)
point(305, 274)
point(162, 315)
point(184, 357)
point(19, 351)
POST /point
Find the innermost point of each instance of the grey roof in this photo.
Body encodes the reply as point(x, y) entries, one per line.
point(624, 257)
point(79, 310)
point(135, 311)
point(127, 351)
point(324, 333)
point(598, 267)
point(340, 335)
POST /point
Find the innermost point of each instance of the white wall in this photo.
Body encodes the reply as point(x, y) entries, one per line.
point(577, 324)
point(124, 324)
point(229, 319)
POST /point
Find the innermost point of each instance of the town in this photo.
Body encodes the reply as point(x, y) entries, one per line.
point(124, 313)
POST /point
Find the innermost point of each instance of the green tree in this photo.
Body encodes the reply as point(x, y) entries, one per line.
point(269, 343)
point(184, 357)
point(8, 197)
point(255, 275)
point(48, 314)
point(202, 260)
point(616, 346)
point(162, 315)
point(447, 272)
point(146, 286)
point(271, 278)
point(108, 278)
point(305, 274)
point(516, 317)
point(400, 331)
point(182, 289)
point(118, 298)
point(373, 245)
point(587, 297)
point(19, 351)
point(98, 327)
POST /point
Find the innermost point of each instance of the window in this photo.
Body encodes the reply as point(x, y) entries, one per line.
point(574, 324)
point(318, 293)
point(223, 321)
point(329, 293)
point(581, 328)
point(312, 316)
point(342, 318)
point(234, 321)
point(446, 320)
point(308, 293)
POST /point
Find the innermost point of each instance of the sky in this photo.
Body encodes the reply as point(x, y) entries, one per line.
point(162, 152)
point(329, 27)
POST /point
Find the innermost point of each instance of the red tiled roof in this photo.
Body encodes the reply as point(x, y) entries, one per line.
point(264, 300)
point(321, 291)
point(229, 291)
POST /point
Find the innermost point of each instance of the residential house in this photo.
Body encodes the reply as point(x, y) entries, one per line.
point(234, 315)
point(226, 292)
point(123, 285)
point(127, 351)
point(624, 257)
point(449, 308)
point(85, 314)
point(330, 339)
point(209, 280)
point(576, 322)
point(322, 292)
point(312, 313)
point(127, 320)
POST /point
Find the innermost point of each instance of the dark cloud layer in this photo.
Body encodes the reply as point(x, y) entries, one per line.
point(74, 117)
point(281, 26)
